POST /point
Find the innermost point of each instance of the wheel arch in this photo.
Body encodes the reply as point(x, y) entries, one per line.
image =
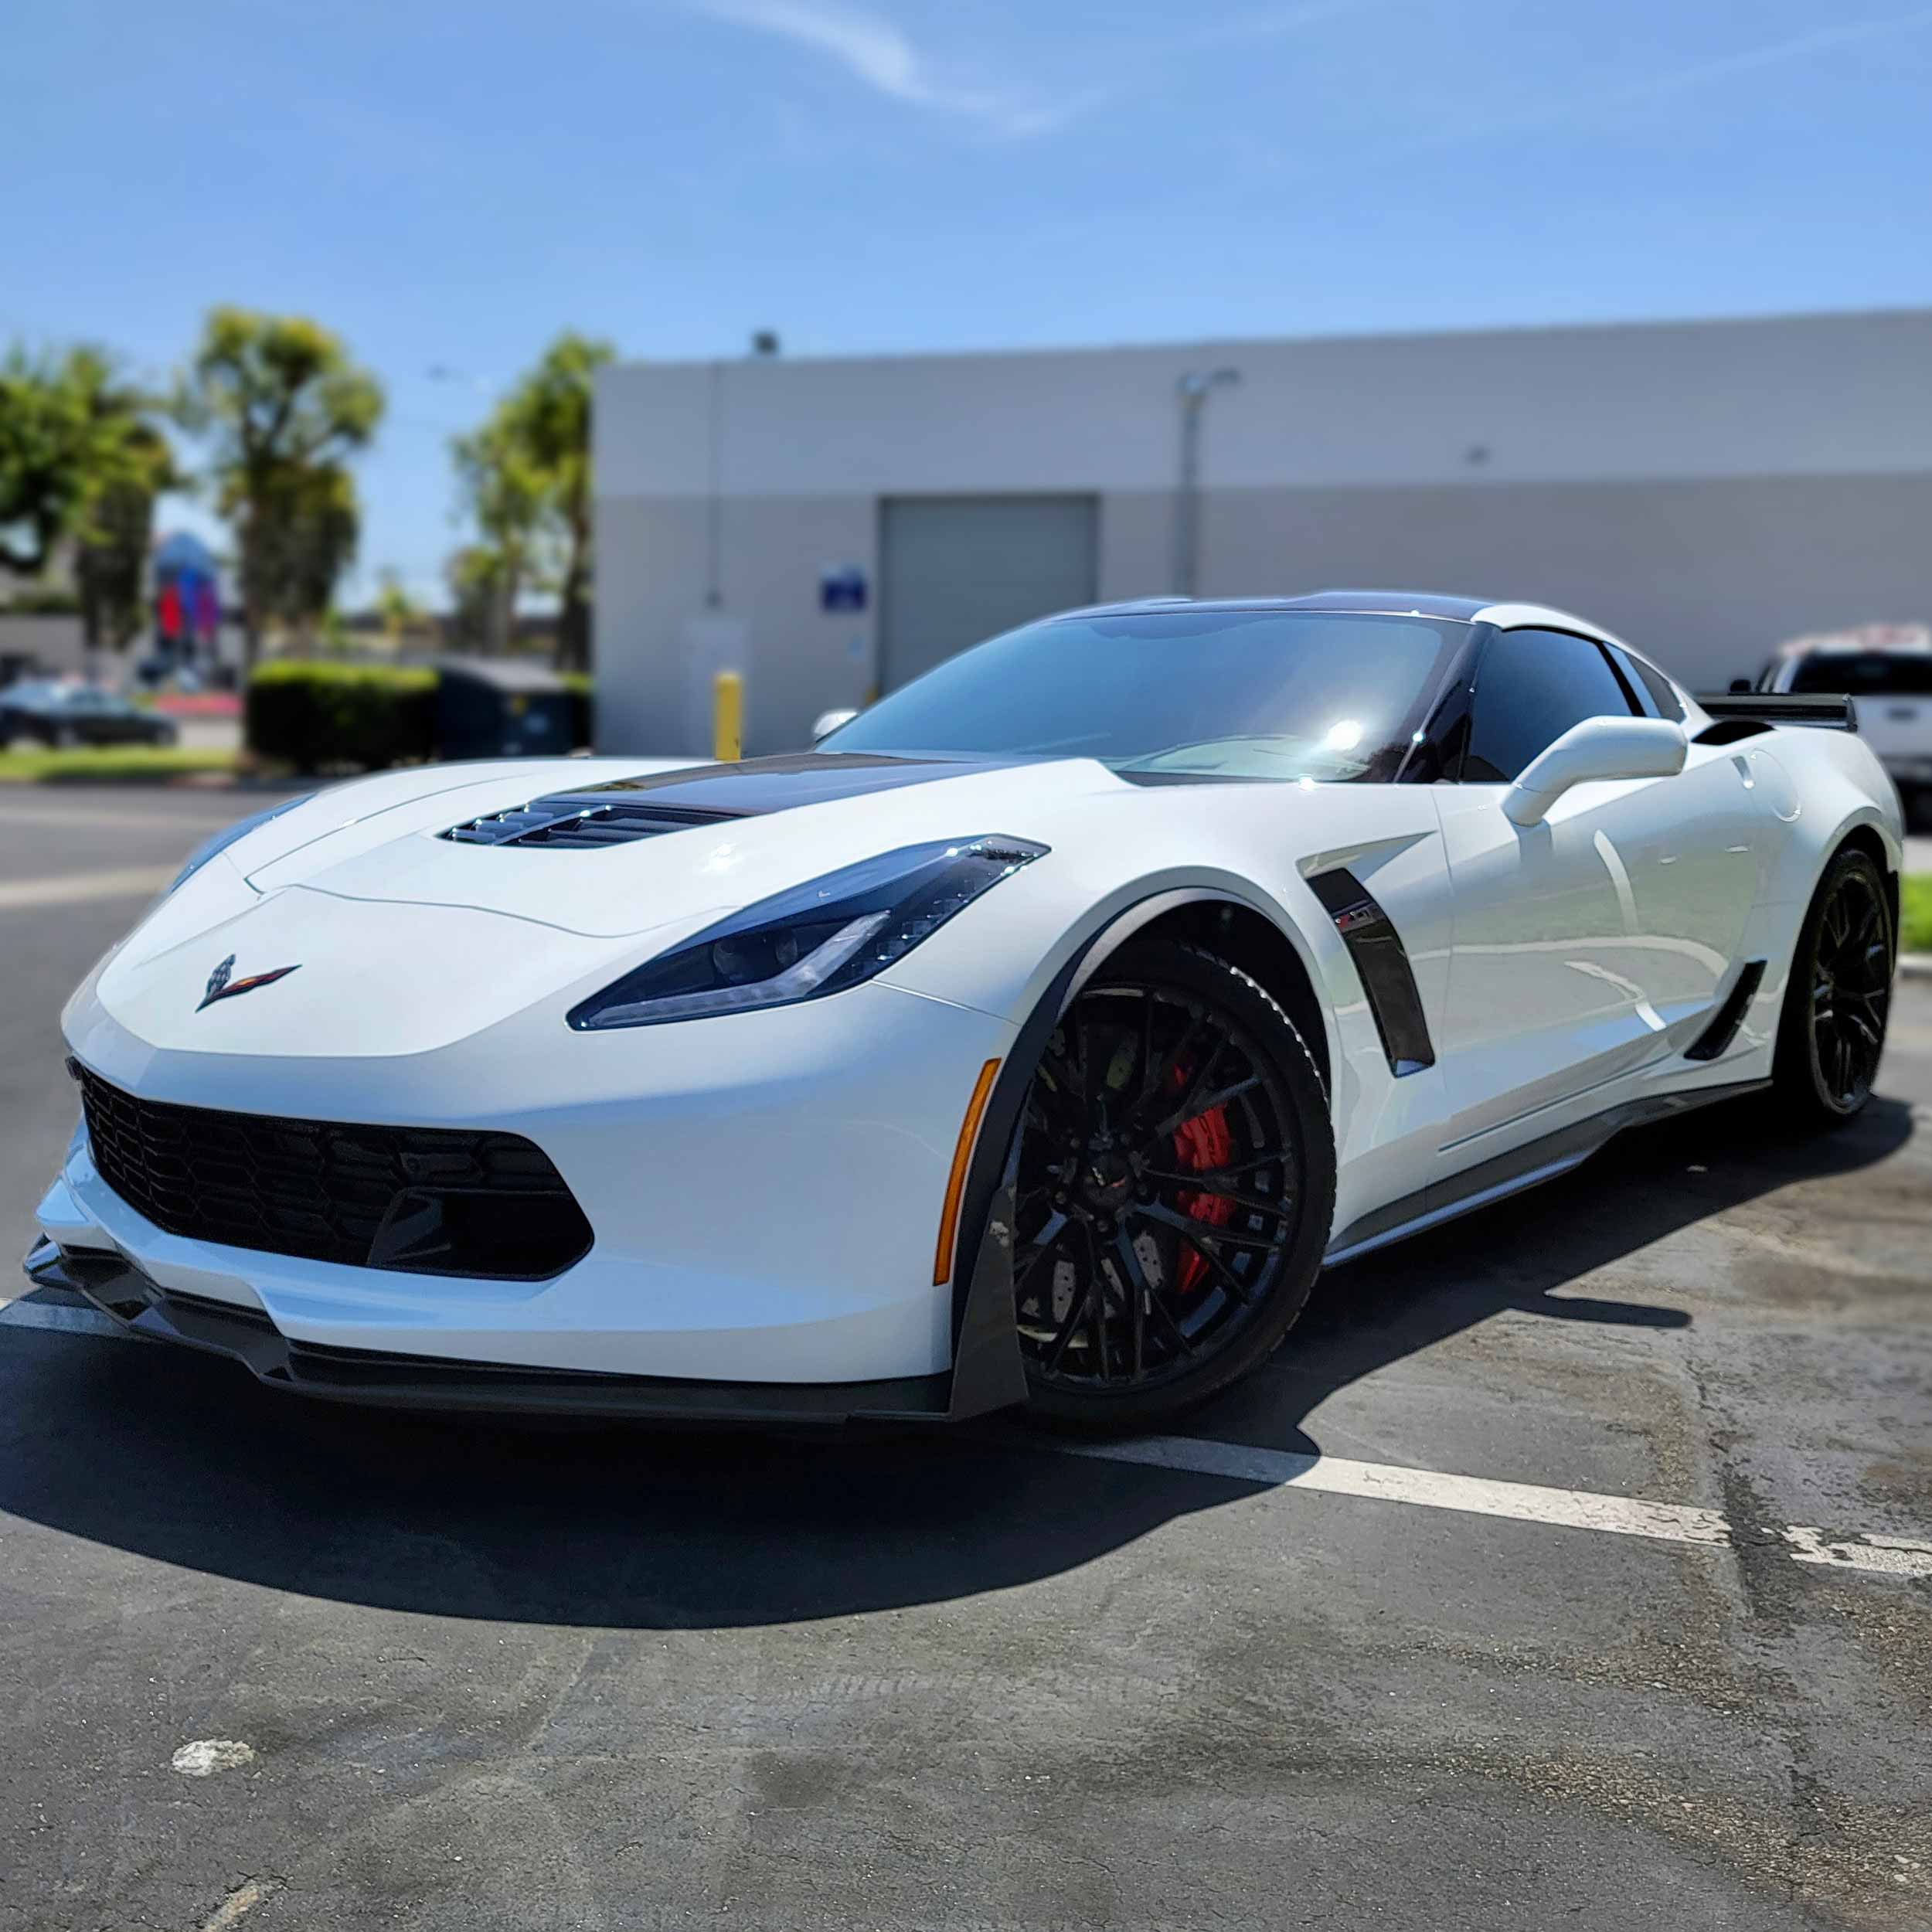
point(1244, 937)
point(1866, 837)
point(985, 1346)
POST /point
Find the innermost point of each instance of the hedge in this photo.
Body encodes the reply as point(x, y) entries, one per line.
point(319, 716)
point(1916, 915)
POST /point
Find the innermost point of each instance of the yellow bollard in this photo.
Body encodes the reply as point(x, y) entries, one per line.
point(727, 717)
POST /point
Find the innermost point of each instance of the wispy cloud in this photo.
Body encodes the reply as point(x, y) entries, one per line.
point(877, 53)
point(1558, 110)
point(1776, 53)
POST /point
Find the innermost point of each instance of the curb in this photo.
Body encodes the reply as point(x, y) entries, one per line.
point(1915, 965)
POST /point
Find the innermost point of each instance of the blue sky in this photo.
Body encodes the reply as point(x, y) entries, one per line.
point(448, 185)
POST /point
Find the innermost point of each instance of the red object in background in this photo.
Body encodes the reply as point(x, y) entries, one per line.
point(168, 611)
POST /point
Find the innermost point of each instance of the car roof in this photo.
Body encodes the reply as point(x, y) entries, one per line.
point(1504, 615)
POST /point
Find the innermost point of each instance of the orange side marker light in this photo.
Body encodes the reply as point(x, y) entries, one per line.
point(956, 1181)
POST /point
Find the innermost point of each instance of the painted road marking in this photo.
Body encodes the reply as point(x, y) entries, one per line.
point(73, 888)
point(1282, 1469)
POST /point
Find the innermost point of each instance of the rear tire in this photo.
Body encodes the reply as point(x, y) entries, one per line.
point(1838, 996)
point(1176, 1190)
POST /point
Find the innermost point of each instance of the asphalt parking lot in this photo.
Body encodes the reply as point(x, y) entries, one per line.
point(1570, 1566)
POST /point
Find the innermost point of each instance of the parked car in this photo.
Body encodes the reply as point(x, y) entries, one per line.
point(77, 714)
point(1038, 1037)
point(1887, 668)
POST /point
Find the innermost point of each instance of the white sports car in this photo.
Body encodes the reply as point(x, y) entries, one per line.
point(1039, 1039)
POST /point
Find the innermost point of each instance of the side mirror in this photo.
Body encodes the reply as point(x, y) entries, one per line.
point(827, 722)
point(1598, 748)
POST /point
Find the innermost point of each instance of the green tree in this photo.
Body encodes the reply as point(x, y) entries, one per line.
point(475, 574)
point(300, 536)
point(525, 478)
point(400, 612)
point(111, 554)
point(550, 411)
point(503, 491)
point(74, 438)
point(283, 407)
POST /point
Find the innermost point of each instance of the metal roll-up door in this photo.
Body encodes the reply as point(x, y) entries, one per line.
point(957, 570)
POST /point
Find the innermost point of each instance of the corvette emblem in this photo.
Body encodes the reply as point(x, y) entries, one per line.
point(221, 987)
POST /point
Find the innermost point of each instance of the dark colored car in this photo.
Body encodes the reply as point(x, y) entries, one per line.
point(77, 714)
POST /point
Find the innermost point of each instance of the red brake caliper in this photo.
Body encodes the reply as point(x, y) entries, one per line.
point(1200, 1144)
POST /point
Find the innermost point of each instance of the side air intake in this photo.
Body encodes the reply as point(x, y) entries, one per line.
point(1716, 1038)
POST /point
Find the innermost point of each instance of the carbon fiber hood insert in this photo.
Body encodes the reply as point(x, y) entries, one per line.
point(621, 810)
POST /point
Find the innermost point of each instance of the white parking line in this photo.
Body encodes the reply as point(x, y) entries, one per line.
point(1282, 1469)
point(1676, 1522)
point(73, 889)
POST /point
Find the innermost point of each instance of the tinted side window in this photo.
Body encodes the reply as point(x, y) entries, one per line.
point(1531, 687)
point(1654, 696)
point(1661, 695)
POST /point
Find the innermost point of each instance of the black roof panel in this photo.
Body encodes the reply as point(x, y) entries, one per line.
point(1427, 603)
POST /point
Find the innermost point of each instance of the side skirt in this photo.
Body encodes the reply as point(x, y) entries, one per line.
point(1523, 1167)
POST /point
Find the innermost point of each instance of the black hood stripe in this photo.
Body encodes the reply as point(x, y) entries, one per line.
point(620, 810)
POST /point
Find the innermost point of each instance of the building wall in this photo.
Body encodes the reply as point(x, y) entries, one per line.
point(54, 641)
point(1707, 488)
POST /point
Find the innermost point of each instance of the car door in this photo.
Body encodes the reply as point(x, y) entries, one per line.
point(1585, 946)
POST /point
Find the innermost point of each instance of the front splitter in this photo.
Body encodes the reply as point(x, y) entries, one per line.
point(114, 1285)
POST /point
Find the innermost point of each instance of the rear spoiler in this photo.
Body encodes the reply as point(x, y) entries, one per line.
point(1827, 710)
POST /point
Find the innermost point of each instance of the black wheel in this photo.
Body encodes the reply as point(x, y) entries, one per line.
point(1175, 1187)
point(1832, 1030)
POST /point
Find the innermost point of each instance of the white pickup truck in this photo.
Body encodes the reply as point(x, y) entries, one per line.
point(1887, 669)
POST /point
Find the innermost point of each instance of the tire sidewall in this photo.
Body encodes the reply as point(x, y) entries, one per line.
point(1797, 1070)
point(1268, 1030)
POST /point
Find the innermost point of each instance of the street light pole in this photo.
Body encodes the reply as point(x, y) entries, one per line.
point(1193, 389)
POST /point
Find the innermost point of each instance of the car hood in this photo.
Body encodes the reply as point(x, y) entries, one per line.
point(399, 915)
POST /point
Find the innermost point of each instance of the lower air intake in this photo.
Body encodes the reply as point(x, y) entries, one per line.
point(417, 1200)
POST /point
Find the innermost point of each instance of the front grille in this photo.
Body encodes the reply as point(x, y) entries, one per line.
point(421, 1200)
point(580, 824)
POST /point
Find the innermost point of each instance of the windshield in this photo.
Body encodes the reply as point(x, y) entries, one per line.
point(1898, 674)
point(1180, 694)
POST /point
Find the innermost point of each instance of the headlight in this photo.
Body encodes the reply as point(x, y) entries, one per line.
point(815, 939)
point(228, 835)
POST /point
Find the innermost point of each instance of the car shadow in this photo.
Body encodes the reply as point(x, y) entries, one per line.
point(186, 1459)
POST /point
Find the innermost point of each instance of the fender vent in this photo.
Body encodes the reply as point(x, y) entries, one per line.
point(1382, 960)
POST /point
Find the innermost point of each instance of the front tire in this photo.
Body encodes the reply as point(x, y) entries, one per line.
point(1839, 996)
point(1175, 1189)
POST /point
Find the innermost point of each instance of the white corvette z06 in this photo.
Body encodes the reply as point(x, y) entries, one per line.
point(1037, 1039)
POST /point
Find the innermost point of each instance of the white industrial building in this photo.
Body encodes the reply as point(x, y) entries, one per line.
point(831, 528)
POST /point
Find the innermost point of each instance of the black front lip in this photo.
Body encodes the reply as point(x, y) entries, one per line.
point(109, 1281)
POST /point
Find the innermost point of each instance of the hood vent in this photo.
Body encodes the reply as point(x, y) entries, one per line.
point(581, 824)
point(620, 810)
